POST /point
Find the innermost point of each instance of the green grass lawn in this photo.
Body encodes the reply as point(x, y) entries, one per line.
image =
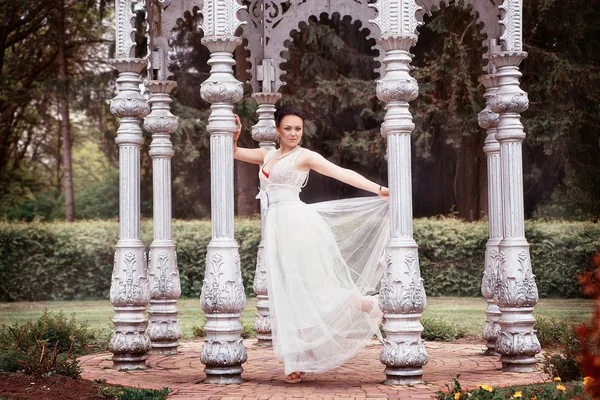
point(467, 312)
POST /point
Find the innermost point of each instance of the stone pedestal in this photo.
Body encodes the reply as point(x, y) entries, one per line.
point(165, 289)
point(517, 293)
point(402, 296)
point(129, 289)
point(264, 132)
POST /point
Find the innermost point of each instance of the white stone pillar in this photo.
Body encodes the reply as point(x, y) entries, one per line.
point(517, 293)
point(223, 297)
point(264, 132)
point(129, 290)
point(402, 296)
point(488, 120)
point(165, 289)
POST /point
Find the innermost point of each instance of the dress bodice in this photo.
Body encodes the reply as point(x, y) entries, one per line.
point(283, 174)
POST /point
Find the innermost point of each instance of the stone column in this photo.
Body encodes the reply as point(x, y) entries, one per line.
point(488, 120)
point(402, 296)
point(129, 289)
point(517, 293)
point(264, 132)
point(223, 297)
point(165, 289)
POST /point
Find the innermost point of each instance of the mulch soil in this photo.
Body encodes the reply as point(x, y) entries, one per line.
point(18, 386)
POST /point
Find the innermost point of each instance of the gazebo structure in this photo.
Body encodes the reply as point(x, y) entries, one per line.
point(140, 282)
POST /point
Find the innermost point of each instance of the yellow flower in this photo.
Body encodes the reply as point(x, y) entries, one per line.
point(517, 395)
point(469, 395)
point(561, 388)
point(485, 387)
point(456, 396)
point(533, 398)
point(587, 380)
point(557, 379)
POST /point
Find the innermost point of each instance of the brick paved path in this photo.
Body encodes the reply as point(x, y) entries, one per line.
point(358, 379)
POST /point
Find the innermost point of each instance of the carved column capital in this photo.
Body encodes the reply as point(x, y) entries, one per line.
point(265, 131)
point(487, 118)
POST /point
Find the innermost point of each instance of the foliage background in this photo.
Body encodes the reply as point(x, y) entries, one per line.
point(61, 261)
point(330, 74)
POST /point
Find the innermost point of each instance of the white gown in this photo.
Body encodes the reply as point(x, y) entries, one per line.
point(321, 261)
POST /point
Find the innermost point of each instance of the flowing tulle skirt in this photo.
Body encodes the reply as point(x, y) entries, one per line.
point(321, 261)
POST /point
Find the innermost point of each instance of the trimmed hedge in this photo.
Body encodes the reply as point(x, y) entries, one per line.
point(52, 261)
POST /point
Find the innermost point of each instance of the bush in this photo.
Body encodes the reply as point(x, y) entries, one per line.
point(46, 347)
point(562, 362)
point(439, 330)
point(55, 261)
point(551, 332)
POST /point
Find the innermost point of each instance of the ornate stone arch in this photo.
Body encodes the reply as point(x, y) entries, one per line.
point(269, 26)
point(162, 17)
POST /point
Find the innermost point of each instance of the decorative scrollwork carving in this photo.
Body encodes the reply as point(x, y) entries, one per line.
point(220, 295)
point(222, 92)
point(260, 277)
point(129, 343)
point(398, 297)
point(397, 90)
point(164, 330)
point(403, 354)
point(491, 275)
point(509, 102)
point(223, 354)
point(513, 292)
point(518, 343)
point(130, 285)
point(491, 330)
point(165, 279)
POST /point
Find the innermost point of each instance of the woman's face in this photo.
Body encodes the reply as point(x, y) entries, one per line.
point(290, 130)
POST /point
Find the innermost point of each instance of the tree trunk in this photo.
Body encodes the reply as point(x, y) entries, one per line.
point(466, 181)
point(246, 189)
point(63, 110)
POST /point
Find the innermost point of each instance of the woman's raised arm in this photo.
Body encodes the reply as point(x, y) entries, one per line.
point(253, 156)
point(317, 162)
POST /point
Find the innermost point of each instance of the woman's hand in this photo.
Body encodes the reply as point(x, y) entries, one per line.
point(237, 133)
point(384, 193)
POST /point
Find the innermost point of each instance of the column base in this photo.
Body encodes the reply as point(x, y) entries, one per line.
point(223, 376)
point(519, 364)
point(165, 349)
point(403, 376)
point(263, 342)
point(127, 362)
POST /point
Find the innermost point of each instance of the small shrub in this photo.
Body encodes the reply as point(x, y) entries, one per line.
point(551, 332)
point(198, 331)
point(126, 393)
point(45, 347)
point(562, 362)
point(435, 329)
point(248, 331)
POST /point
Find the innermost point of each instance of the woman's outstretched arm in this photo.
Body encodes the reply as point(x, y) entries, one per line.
point(253, 156)
point(316, 162)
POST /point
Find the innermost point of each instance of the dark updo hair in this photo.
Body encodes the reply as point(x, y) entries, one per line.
point(288, 110)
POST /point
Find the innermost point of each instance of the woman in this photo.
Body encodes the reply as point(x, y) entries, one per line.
point(321, 259)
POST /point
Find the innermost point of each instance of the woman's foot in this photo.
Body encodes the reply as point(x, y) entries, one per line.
point(294, 377)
